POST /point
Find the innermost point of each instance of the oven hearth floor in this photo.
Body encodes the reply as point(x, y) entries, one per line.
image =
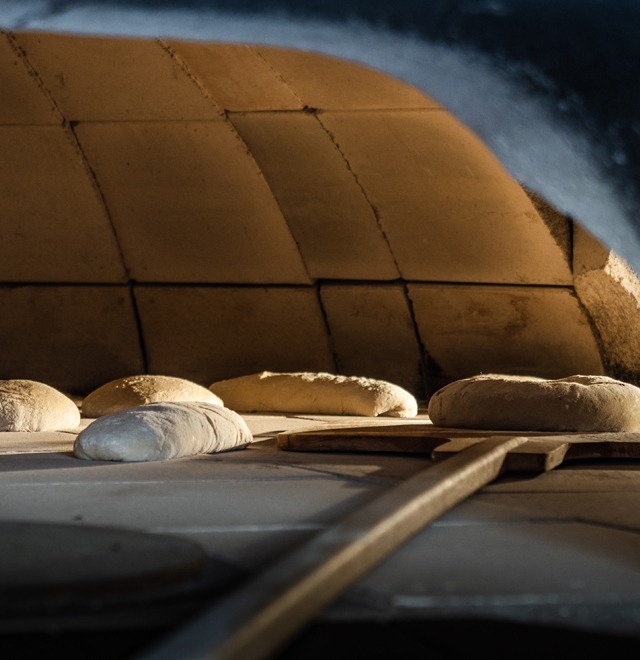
point(558, 551)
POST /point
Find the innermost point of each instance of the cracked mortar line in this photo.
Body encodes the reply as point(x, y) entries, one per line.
point(327, 327)
point(224, 114)
point(372, 206)
point(425, 358)
point(427, 366)
point(181, 63)
point(33, 74)
point(278, 76)
point(68, 127)
point(130, 283)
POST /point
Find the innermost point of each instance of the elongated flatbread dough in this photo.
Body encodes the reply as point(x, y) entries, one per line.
point(139, 390)
point(524, 403)
point(320, 393)
point(27, 405)
point(160, 431)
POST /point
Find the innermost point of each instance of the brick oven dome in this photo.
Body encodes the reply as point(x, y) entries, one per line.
point(210, 210)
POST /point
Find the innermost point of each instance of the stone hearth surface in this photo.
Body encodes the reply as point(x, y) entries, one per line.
point(559, 550)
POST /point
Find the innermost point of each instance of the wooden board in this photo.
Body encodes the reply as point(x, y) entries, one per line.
point(401, 438)
point(543, 450)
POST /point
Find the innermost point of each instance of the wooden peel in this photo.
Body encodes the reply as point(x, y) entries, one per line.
point(259, 619)
point(398, 438)
point(543, 451)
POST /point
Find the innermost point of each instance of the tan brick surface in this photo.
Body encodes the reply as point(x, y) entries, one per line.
point(74, 338)
point(212, 333)
point(332, 221)
point(107, 79)
point(380, 183)
point(538, 331)
point(189, 204)
point(373, 334)
point(54, 225)
point(325, 82)
point(23, 100)
point(236, 77)
point(449, 209)
point(589, 254)
point(610, 291)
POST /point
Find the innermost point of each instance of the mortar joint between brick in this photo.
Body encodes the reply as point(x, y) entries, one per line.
point(223, 285)
point(279, 76)
point(261, 174)
point(372, 206)
point(608, 367)
point(60, 283)
point(325, 319)
point(173, 55)
point(491, 284)
point(139, 326)
point(425, 357)
point(378, 110)
point(70, 128)
point(22, 55)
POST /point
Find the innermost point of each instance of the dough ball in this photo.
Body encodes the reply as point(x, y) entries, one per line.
point(589, 404)
point(139, 390)
point(160, 431)
point(26, 405)
point(321, 393)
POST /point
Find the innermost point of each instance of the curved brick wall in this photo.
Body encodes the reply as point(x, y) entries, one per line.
point(208, 210)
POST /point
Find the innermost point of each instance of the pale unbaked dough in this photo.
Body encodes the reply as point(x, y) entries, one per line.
point(311, 392)
point(27, 405)
point(524, 403)
point(160, 431)
point(133, 391)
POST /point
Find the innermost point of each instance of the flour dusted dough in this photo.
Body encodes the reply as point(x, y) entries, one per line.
point(133, 391)
point(27, 405)
point(163, 430)
point(321, 393)
point(521, 403)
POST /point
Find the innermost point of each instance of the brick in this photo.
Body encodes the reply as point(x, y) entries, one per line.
point(372, 334)
point(236, 77)
point(332, 221)
point(211, 333)
point(450, 211)
point(538, 331)
point(23, 100)
point(589, 254)
point(109, 79)
point(325, 82)
point(54, 225)
point(74, 338)
point(609, 289)
point(189, 204)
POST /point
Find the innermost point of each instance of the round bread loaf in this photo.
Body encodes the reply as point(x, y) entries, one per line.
point(133, 391)
point(525, 403)
point(315, 392)
point(163, 430)
point(27, 405)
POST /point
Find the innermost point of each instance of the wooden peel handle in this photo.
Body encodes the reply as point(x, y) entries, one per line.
point(259, 619)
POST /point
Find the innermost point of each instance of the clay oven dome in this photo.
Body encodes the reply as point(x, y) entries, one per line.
point(207, 211)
